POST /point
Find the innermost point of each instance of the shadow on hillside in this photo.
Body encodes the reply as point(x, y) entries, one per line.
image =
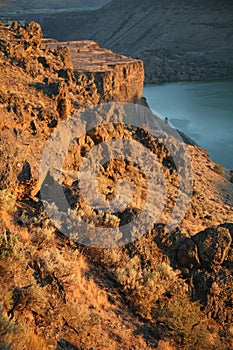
point(65, 345)
point(50, 90)
point(106, 281)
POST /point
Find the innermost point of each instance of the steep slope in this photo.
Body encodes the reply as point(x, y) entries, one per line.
point(80, 268)
point(49, 5)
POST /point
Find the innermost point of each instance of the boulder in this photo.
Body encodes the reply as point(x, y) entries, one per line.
point(187, 254)
point(213, 245)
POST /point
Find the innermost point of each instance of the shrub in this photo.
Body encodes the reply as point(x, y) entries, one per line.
point(182, 321)
point(18, 336)
point(8, 245)
point(5, 328)
point(142, 286)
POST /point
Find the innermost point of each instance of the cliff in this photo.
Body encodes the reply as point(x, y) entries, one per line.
point(114, 234)
point(60, 79)
point(108, 76)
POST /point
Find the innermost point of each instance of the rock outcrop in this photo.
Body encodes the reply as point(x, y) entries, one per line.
point(61, 77)
point(103, 76)
point(208, 248)
point(42, 85)
point(213, 245)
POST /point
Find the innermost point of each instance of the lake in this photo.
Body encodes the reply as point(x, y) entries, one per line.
point(202, 110)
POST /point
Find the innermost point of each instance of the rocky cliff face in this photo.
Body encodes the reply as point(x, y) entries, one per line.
point(111, 228)
point(103, 76)
point(60, 79)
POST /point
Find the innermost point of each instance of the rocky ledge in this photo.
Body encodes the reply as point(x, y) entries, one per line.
point(106, 76)
point(44, 81)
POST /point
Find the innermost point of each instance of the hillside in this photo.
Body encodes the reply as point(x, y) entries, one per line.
point(9, 6)
point(177, 40)
point(114, 233)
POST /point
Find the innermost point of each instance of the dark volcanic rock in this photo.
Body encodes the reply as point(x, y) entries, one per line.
point(214, 290)
point(209, 248)
point(39, 89)
point(25, 175)
point(213, 245)
point(62, 101)
point(187, 254)
point(211, 281)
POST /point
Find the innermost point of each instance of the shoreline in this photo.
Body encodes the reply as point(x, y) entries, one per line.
point(223, 80)
point(200, 115)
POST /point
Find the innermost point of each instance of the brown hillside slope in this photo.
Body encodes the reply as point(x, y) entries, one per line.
point(65, 286)
point(49, 5)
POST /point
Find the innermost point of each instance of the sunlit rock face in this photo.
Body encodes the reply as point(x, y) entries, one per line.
point(102, 75)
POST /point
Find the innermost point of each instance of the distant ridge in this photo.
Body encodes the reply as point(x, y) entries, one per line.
point(178, 40)
point(23, 5)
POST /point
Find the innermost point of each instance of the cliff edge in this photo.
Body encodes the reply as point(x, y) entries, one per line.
point(108, 76)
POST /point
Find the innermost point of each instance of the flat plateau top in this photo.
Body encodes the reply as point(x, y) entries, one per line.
point(88, 56)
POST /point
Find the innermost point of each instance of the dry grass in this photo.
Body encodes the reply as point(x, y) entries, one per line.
point(145, 286)
point(53, 290)
point(164, 345)
point(15, 337)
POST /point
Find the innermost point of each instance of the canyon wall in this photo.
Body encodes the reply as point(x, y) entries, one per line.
point(103, 76)
point(177, 40)
point(43, 83)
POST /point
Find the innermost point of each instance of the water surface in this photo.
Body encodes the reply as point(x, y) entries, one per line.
point(202, 110)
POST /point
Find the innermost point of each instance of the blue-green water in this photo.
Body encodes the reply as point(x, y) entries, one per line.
point(202, 110)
